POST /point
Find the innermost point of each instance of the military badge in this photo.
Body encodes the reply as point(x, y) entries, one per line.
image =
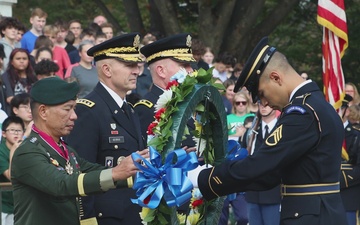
point(33, 140)
point(109, 161)
point(295, 108)
point(136, 41)
point(54, 162)
point(188, 41)
point(76, 162)
point(113, 126)
point(274, 137)
point(68, 167)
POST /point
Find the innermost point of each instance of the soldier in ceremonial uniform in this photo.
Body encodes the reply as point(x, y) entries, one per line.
point(48, 176)
point(350, 165)
point(165, 58)
point(302, 152)
point(107, 129)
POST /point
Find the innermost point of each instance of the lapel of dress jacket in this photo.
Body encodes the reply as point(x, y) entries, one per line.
point(137, 126)
point(259, 138)
point(49, 150)
point(117, 113)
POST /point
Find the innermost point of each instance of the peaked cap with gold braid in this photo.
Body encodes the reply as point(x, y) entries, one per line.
point(124, 47)
point(254, 67)
point(176, 47)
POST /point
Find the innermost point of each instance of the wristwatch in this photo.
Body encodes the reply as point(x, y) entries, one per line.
point(121, 158)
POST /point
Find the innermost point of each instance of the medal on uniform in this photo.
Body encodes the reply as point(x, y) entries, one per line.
point(69, 168)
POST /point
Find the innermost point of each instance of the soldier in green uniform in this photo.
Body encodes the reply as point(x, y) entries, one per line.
point(48, 176)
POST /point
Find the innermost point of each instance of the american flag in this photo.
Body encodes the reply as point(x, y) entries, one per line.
point(331, 15)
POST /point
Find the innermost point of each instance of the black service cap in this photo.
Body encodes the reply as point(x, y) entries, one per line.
point(176, 47)
point(254, 67)
point(124, 47)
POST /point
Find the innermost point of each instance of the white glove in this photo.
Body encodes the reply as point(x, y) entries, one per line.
point(193, 174)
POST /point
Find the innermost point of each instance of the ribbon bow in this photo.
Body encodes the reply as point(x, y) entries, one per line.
point(168, 180)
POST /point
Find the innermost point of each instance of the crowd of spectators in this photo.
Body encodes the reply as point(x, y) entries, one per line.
point(60, 49)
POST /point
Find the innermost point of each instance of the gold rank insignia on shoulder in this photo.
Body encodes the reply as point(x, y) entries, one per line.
point(274, 137)
point(356, 127)
point(145, 102)
point(86, 102)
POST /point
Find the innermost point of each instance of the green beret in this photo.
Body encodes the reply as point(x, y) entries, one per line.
point(54, 91)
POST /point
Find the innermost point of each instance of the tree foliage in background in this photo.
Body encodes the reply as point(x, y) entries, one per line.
point(224, 25)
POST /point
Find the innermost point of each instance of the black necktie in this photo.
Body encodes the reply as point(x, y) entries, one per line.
point(126, 109)
point(266, 132)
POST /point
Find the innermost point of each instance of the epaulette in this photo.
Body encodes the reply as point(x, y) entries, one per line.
point(356, 127)
point(145, 102)
point(301, 99)
point(294, 105)
point(86, 102)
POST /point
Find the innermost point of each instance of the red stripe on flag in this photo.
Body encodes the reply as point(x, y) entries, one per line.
point(331, 15)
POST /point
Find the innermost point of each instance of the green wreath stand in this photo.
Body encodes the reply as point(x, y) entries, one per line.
point(211, 98)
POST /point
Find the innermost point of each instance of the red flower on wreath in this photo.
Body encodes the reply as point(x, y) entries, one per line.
point(196, 203)
point(172, 83)
point(159, 113)
point(151, 127)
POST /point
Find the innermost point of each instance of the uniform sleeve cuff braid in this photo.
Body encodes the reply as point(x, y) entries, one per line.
point(106, 181)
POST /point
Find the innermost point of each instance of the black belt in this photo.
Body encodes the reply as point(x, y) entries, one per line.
point(310, 189)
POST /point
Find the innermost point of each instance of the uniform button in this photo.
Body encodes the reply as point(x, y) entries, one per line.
point(296, 214)
point(116, 146)
point(100, 215)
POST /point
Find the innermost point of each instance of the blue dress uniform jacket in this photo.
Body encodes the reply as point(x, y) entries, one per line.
point(350, 170)
point(304, 148)
point(103, 133)
point(43, 192)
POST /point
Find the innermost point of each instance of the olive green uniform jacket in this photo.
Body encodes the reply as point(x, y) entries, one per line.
point(44, 193)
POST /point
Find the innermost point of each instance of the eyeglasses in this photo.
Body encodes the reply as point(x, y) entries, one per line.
point(241, 103)
point(13, 131)
point(26, 107)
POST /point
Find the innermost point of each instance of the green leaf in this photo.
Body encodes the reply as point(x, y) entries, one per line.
point(204, 76)
point(162, 219)
point(200, 108)
point(219, 86)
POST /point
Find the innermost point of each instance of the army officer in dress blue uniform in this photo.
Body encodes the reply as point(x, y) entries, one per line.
point(165, 58)
point(303, 151)
point(350, 165)
point(107, 129)
point(48, 176)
